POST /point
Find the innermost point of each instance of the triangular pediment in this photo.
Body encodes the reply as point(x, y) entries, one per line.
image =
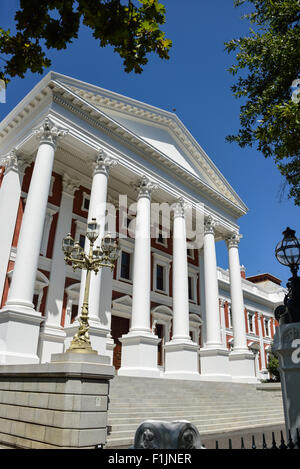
point(158, 135)
point(161, 130)
point(162, 138)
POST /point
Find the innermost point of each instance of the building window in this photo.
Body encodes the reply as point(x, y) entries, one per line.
point(85, 202)
point(230, 317)
point(82, 240)
point(74, 313)
point(190, 253)
point(125, 265)
point(267, 330)
point(162, 239)
point(191, 288)
point(160, 284)
point(250, 322)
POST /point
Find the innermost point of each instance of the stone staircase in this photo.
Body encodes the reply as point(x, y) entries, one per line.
point(211, 407)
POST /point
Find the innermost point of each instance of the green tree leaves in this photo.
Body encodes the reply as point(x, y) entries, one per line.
point(133, 29)
point(270, 55)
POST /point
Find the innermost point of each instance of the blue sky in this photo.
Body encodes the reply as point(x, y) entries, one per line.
point(195, 81)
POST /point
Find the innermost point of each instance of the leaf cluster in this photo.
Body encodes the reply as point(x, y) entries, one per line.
point(132, 30)
point(273, 367)
point(267, 64)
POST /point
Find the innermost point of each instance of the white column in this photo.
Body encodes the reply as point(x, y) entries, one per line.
point(139, 346)
point(214, 355)
point(20, 337)
point(10, 193)
point(101, 284)
point(181, 330)
point(181, 353)
point(261, 344)
point(236, 293)
point(140, 321)
point(202, 296)
point(241, 358)
point(213, 330)
point(223, 325)
point(52, 335)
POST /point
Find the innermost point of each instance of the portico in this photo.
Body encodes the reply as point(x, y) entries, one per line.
point(92, 158)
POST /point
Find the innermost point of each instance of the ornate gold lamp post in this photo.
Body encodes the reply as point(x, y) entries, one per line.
point(104, 256)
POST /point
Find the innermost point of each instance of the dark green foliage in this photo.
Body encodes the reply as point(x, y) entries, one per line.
point(268, 63)
point(133, 31)
point(273, 367)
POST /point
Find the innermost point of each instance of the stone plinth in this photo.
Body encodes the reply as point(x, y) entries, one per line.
point(61, 404)
point(287, 348)
point(215, 364)
point(181, 360)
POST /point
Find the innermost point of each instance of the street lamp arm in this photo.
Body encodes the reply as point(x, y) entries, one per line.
point(106, 256)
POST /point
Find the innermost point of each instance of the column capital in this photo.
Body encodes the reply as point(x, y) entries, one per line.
point(209, 225)
point(48, 132)
point(13, 161)
point(103, 163)
point(179, 207)
point(69, 185)
point(145, 187)
point(232, 241)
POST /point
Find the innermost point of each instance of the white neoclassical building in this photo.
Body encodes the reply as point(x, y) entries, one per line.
point(71, 151)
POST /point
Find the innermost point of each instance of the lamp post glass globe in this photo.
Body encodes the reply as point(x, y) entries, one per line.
point(77, 252)
point(287, 251)
point(68, 244)
point(108, 243)
point(92, 230)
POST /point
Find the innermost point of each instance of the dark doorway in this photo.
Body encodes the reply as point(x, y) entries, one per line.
point(119, 326)
point(160, 334)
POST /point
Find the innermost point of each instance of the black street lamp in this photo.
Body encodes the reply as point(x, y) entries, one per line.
point(287, 253)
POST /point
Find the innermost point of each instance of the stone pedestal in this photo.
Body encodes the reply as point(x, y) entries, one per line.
point(58, 405)
point(181, 360)
point(242, 367)
point(139, 355)
point(19, 335)
point(214, 364)
point(98, 336)
point(287, 348)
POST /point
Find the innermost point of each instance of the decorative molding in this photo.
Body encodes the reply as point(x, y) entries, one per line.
point(104, 163)
point(122, 134)
point(169, 121)
point(179, 208)
point(210, 225)
point(145, 187)
point(233, 240)
point(69, 185)
point(14, 161)
point(49, 132)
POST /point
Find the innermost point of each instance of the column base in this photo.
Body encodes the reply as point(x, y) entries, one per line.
point(139, 355)
point(214, 364)
point(110, 345)
point(19, 335)
point(98, 336)
point(242, 368)
point(181, 360)
point(52, 338)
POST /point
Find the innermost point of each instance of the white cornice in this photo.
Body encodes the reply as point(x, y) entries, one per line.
point(52, 86)
point(76, 104)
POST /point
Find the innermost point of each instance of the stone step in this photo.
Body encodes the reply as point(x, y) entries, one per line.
point(126, 438)
point(199, 420)
point(116, 419)
point(212, 407)
point(151, 406)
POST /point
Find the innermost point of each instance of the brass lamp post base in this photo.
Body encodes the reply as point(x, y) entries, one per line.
point(79, 349)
